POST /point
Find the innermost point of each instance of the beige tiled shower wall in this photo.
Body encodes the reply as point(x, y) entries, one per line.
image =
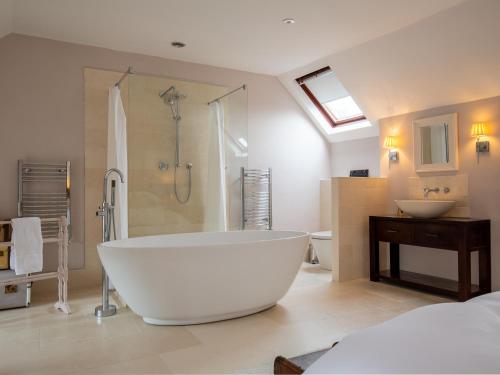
point(459, 191)
point(153, 207)
point(96, 86)
point(353, 201)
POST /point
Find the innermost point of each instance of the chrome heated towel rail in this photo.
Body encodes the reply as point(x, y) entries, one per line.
point(256, 199)
point(44, 192)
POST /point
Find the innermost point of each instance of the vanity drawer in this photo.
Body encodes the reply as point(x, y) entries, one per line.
point(396, 232)
point(437, 236)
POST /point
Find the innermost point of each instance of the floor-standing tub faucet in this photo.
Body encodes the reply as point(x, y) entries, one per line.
point(106, 212)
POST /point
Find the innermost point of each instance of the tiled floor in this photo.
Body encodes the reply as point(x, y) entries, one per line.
point(314, 314)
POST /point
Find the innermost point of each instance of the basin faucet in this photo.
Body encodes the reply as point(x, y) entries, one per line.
point(106, 212)
point(429, 190)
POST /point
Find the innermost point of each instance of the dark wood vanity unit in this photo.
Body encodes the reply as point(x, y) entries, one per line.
point(454, 234)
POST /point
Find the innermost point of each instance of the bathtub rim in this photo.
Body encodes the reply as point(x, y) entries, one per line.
point(116, 243)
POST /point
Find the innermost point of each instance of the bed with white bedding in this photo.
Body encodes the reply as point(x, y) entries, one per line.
point(442, 338)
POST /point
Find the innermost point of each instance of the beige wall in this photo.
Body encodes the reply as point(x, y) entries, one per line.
point(483, 178)
point(42, 117)
point(353, 201)
point(325, 210)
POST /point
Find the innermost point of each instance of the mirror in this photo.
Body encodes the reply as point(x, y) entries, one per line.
point(435, 146)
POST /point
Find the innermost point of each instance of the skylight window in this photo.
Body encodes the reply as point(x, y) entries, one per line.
point(343, 109)
point(330, 98)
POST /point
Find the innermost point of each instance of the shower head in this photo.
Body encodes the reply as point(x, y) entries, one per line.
point(172, 97)
point(165, 92)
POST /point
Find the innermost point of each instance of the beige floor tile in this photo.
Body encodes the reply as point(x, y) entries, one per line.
point(145, 365)
point(314, 314)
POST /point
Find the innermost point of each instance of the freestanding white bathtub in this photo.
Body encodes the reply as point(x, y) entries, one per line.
point(196, 278)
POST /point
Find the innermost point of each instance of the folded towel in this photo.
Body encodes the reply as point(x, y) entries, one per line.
point(27, 249)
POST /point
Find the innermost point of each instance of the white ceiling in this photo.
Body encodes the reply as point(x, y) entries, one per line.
point(240, 34)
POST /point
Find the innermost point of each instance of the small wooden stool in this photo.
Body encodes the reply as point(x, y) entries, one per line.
point(297, 365)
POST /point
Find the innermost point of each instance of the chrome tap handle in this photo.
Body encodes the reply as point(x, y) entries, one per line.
point(100, 212)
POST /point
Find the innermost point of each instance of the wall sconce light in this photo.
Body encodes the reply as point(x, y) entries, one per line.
point(391, 144)
point(479, 132)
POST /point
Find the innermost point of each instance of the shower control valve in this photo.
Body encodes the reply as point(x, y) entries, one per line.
point(162, 166)
point(100, 212)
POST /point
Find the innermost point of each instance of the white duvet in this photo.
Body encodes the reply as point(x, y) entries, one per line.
point(442, 338)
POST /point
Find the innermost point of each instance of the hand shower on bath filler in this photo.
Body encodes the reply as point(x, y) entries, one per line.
point(172, 97)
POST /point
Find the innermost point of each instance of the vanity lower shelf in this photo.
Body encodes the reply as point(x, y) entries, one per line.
point(427, 283)
point(463, 236)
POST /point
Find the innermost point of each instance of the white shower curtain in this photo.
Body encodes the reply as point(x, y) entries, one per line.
point(216, 210)
point(117, 158)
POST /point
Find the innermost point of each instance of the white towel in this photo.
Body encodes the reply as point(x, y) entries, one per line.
point(27, 249)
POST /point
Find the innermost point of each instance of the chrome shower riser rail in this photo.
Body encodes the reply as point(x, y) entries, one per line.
point(172, 97)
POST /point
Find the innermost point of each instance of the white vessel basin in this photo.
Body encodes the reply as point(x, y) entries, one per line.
point(426, 209)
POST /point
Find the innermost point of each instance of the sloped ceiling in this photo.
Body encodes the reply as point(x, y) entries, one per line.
point(5, 17)
point(399, 56)
point(239, 34)
point(448, 58)
point(451, 57)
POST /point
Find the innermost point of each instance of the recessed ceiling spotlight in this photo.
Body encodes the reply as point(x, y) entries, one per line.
point(288, 21)
point(178, 44)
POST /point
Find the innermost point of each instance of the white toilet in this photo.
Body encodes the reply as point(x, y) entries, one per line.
point(322, 244)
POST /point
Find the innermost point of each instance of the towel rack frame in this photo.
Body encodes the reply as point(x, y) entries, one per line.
point(62, 270)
